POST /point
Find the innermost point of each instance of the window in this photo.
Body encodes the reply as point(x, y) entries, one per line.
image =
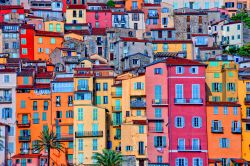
point(188, 19)
point(155, 47)
point(80, 144)
point(235, 110)
point(216, 87)
point(179, 69)
point(138, 112)
point(94, 144)
point(195, 144)
point(11, 131)
point(181, 162)
point(179, 122)
point(248, 112)
point(238, 36)
point(135, 61)
point(69, 114)
point(184, 47)
point(35, 118)
point(158, 126)
point(215, 110)
point(155, 21)
point(216, 75)
point(165, 47)
point(196, 122)
point(228, 28)
point(45, 105)
point(80, 13)
point(141, 129)
point(181, 144)
point(24, 51)
point(159, 159)
point(6, 113)
point(80, 158)
point(52, 40)
point(23, 104)
point(47, 50)
point(224, 143)
point(225, 111)
point(58, 114)
point(74, 13)
point(160, 141)
point(197, 162)
point(164, 10)
point(51, 27)
point(25, 80)
point(105, 99)
point(10, 147)
point(158, 71)
point(40, 40)
point(134, 5)
point(58, 101)
point(158, 113)
point(200, 19)
point(194, 70)
point(98, 99)
point(23, 41)
point(58, 28)
point(179, 91)
point(34, 105)
point(44, 116)
point(23, 31)
point(231, 87)
point(129, 148)
point(138, 85)
point(6, 79)
point(196, 93)
point(238, 27)
point(80, 113)
point(248, 126)
point(135, 26)
point(97, 86)
point(95, 114)
point(71, 145)
point(105, 86)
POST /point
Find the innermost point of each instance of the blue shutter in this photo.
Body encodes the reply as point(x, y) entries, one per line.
point(155, 141)
point(10, 112)
point(186, 162)
point(193, 122)
point(182, 122)
point(228, 143)
point(220, 142)
point(164, 141)
point(177, 162)
point(3, 113)
point(200, 122)
point(135, 85)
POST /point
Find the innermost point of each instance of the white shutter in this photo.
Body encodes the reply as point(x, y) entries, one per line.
point(177, 162)
point(182, 122)
point(200, 122)
point(186, 162)
point(200, 162)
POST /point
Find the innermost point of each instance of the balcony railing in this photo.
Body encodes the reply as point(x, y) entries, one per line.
point(188, 101)
point(116, 108)
point(236, 130)
point(115, 94)
point(248, 89)
point(137, 104)
point(24, 138)
point(80, 134)
point(159, 102)
point(23, 124)
point(153, 15)
point(247, 100)
point(5, 99)
point(189, 148)
point(217, 130)
point(155, 130)
point(64, 137)
point(79, 87)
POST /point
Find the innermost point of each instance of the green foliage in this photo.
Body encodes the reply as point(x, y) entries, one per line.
point(111, 3)
point(244, 50)
point(242, 16)
point(47, 141)
point(108, 158)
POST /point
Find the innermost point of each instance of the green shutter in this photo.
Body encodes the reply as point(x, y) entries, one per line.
point(164, 142)
point(142, 85)
point(155, 141)
point(98, 99)
point(220, 87)
point(213, 87)
point(135, 85)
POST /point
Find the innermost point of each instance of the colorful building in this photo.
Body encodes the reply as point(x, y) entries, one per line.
point(7, 114)
point(222, 81)
point(101, 18)
point(45, 42)
point(152, 15)
point(76, 14)
point(54, 26)
point(157, 114)
point(224, 133)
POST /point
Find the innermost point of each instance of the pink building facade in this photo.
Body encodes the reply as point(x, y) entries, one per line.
point(177, 87)
point(157, 113)
point(99, 18)
point(29, 160)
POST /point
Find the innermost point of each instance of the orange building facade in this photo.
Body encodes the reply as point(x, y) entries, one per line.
point(224, 133)
point(45, 43)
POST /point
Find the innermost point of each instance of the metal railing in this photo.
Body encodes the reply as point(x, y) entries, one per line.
point(89, 134)
point(188, 101)
point(159, 102)
point(217, 129)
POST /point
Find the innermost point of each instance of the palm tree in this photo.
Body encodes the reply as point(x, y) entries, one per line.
point(108, 158)
point(47, 141)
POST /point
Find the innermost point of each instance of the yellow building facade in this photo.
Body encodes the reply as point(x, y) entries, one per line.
point(54, 26)
point(76, 14)
point(134, 123)
point(222, 81)
point(174, 46)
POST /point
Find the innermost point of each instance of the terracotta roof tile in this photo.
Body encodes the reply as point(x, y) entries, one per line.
point(8, 7)
point(49, 34)
point(76, 7)
point(26, 156)
point(133, 39)
point(98, 31)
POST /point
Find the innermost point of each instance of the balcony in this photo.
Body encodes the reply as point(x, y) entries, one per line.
point(5, 99)
point(236, 130)
point(138, 104)
point(159, 102)
point(23, 124)
point(24, 151)
point(24, 138)
point(153, 15)
point(81, 134)
point(115, 94)
point(64, 137)
point(155, 130)
point(117, 108)
point(247, 100)
point(217, 130)
point(189, 148)
point(82, 88)
point(188, 101)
